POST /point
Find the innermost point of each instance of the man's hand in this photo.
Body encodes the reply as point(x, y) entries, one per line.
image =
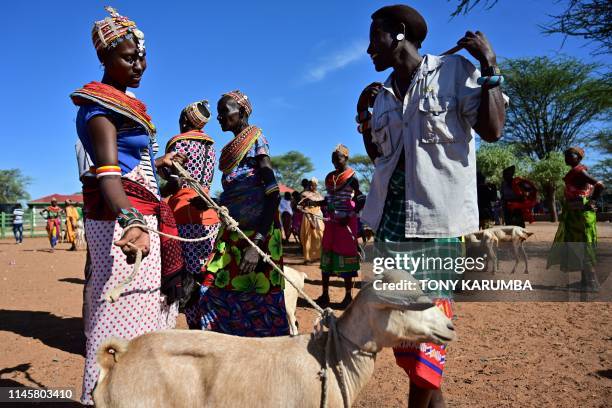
point(167, 159)
point(367, 97)
point(139, 239)
point(250, 259)
point(479, 47)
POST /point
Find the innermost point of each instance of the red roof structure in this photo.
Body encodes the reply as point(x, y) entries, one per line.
point(284, 189)
point(61, 198)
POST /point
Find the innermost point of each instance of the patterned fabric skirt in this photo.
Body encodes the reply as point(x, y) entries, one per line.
point(140, 309)
point(575, 243)
point(311, 234)
point(339, 254)
point(195, 254)
point(245, 314)
point(53, 231)
point(244, 304)
point(424, 362)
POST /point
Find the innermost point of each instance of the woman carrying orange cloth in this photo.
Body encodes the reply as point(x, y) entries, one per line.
point(192, 219)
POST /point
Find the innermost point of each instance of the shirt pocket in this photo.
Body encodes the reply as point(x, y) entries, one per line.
point(440, 120)
point(383, 127)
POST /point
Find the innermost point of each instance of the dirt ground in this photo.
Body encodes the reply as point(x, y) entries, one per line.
point(508, 354)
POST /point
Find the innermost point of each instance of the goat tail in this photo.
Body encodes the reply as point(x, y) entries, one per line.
point(110, 352)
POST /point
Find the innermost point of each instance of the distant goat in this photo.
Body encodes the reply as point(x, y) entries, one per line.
point(489, 239)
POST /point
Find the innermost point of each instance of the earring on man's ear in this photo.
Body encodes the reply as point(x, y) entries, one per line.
point(400, 37)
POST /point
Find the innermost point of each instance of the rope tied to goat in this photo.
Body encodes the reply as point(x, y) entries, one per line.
point(327, 317)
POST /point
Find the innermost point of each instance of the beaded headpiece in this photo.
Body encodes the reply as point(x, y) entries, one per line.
point(578, 150)
point(342, 149)
point(241, 99)
point(194, 116)
point(112, 30)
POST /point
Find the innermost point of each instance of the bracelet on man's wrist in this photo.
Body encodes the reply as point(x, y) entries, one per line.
point(490, 81)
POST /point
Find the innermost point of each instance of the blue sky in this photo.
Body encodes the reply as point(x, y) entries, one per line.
point(303, 65)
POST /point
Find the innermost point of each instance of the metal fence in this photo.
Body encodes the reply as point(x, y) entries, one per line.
point(33, 224)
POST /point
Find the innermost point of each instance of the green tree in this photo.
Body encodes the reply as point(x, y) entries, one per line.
point(364, 167)
point(553, 102)
point(588, 19)
point(13, 186)
point(493, 158)
point(291, 167)
point(548, 174)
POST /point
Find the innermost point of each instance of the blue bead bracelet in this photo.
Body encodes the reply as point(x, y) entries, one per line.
point(494, 80)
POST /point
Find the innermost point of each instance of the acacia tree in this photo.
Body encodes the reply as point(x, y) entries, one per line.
point(291, 167)
point(13, 186)
point(552, 102)
point(363, 166)
point(602, 170)
point(589, 19)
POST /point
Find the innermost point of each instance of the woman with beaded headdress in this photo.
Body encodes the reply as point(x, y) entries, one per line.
point(344, 200)
point(192, 219)
point(121, 200)
point(576, 238)
point(242, 295)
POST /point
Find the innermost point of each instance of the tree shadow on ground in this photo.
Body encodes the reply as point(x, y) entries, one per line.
point(62, 333)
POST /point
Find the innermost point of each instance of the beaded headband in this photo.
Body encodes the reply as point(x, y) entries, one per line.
point(241, 99)
point(111, 31)
point(194, 116)
point(342, 149)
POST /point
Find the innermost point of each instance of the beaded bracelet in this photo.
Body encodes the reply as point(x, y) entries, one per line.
point(108, 171)
point(491, 81)
point(130, 216)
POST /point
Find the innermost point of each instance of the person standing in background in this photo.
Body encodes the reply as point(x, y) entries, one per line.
point(18, 224)
point(52, 214)
point(286, 214)
point(311, 232)
point(72, 218)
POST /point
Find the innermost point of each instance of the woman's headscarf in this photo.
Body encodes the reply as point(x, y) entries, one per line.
point(112, 30)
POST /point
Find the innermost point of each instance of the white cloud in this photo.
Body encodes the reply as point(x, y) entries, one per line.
point(336, 61)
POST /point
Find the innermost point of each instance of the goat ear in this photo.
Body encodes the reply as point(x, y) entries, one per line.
point(416, 304)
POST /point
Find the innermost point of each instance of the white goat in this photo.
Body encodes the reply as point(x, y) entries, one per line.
point(190, 368)
point(489, 240)
point(291, 296)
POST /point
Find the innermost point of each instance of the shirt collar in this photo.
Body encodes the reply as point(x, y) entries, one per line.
point(428, 64)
